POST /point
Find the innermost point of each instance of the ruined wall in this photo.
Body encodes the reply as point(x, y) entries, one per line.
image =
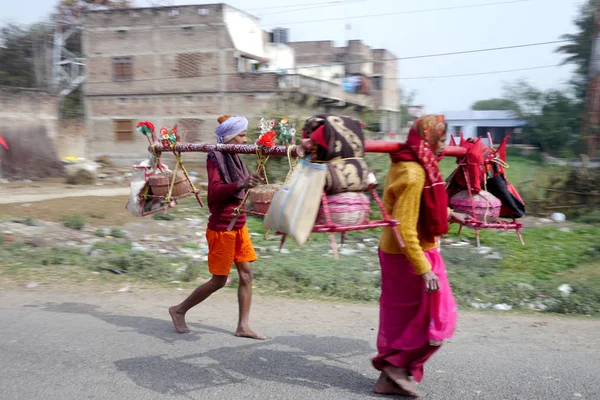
point(20, 107)
point(30, 108)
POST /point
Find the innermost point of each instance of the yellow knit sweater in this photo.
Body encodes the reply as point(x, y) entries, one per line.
point(402, 200)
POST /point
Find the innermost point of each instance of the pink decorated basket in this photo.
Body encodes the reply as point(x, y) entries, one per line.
point(487, 206)
point(261, 197)
point(346, 209)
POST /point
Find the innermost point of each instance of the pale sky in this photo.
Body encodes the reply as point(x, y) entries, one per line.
point(411, 34)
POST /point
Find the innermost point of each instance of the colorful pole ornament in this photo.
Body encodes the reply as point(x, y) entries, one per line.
point(287, 134)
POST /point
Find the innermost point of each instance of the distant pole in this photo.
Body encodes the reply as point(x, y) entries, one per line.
point(590, 130)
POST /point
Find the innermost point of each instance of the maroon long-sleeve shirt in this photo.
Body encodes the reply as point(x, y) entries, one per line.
point(221, 201)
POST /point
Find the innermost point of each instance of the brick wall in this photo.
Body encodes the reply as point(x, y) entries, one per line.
point(197, 118)
point(387, 68)
point(155, 41)
point(195, 113)
point(313, 52)
point(155, 16)
point(253, 82)
point(72, 137)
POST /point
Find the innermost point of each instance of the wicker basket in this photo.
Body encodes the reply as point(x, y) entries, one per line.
point(261, 197)
point(159, 183)
point(487, 206)
point(346, 209)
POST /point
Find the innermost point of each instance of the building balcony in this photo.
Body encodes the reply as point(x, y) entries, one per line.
point(325, 92)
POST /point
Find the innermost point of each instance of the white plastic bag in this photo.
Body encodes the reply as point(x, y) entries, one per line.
point(294, 207)
point(137, 206)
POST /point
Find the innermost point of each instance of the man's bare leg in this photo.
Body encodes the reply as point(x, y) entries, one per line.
point(400, 377)
point(385, 385)
point(244, 300)
point(198, 296)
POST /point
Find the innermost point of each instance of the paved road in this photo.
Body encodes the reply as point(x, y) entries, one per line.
point(56, 345)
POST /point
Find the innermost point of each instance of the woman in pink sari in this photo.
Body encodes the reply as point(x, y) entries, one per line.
point(417, 308)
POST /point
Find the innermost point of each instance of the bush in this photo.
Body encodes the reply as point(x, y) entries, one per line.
point(62, 256)
point(144, 264)
point(163, 216)
point(76, 222)
point(589, 217)
point(192, 272)
point(32, 154)
point(97, 215)
point(117, 233)
point(81, 177)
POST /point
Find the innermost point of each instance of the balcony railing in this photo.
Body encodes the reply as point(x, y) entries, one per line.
point(324, 89)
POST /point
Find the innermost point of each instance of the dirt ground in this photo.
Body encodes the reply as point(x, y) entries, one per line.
point(105, 211)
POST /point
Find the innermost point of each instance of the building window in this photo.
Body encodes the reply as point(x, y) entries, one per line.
point(124, 130)
point(280, 35)
point(189, 129)
point(188, 65)
point(122, 69)
point(377, 82)
point(457, 130)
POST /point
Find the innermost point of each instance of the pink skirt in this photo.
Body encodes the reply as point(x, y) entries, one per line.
point(409, 317)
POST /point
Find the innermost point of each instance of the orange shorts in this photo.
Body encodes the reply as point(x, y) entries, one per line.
point(226, 248)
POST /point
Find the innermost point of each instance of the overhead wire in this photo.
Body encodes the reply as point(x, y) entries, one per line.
point(296, 5)
point(303, 8)
point(480, 73)
point(466, 6)
point(324, 65)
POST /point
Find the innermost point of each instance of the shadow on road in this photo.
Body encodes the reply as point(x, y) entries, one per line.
point(315, 362)
point(156, 328)
point(309, 361)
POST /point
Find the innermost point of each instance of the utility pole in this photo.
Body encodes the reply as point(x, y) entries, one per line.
point(590, 130)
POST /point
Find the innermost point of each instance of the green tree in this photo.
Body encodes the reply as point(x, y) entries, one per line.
point(553, 117)
point(578, 50)
point(406, 100)
point(556, 130)
point(497, 104)
point(16, 56)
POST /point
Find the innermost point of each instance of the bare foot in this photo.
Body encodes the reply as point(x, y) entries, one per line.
point(400, 377)
point(249, 333)
point(385, 385)
point(178, 320)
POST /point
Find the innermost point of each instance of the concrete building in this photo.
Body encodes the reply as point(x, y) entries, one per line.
point(187, 65)
point(385, 89)
point(478, 123)
point(359, 69)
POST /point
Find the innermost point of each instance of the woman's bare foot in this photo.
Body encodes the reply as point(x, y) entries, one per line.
point(385, 385)
point(249, 333)
point(178, 320)
point(400, 377)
